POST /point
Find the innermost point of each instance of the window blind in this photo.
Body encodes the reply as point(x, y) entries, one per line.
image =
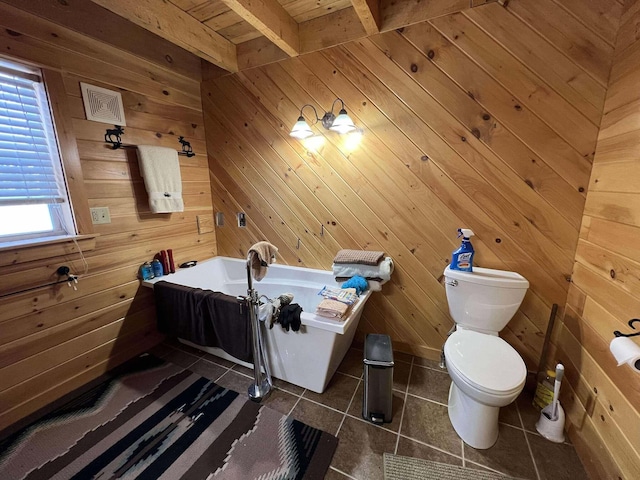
point(30, 169)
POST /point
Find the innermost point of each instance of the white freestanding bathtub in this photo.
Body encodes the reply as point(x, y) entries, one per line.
point(307, 358)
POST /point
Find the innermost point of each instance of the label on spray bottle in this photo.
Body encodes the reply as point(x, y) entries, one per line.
point(464, 260)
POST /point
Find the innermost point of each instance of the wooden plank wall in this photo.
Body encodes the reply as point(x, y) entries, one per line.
point(603, 400)
point(485, 119)
point(53, 340)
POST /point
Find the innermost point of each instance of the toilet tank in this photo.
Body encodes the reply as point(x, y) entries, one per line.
point(484, 300)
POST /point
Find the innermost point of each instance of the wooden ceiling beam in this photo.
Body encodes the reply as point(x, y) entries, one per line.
point(368, 12)
point(272, 20)
point(171, 23)
point(397, 14)
point(94, 21)
point(329, 30)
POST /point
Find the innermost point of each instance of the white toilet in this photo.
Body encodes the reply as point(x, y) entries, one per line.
point(486, 372)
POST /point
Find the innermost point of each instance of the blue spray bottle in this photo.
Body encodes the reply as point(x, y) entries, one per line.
point(462, 258)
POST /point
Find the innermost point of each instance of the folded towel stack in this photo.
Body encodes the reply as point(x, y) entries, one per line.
point(332, 308)
point(336, 302)
point(373, 266)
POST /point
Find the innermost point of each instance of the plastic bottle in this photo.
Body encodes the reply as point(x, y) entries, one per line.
point(462, 258)
point(544, 389)
point(157, 268)
point(146, 271)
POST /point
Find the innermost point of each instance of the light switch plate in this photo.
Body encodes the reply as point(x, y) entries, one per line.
point(100, 215)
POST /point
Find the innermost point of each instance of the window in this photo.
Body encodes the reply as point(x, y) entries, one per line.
point(33, 195)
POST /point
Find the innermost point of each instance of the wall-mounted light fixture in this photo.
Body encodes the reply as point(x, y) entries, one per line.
point(341, 124)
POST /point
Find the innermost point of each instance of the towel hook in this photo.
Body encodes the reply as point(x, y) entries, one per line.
point(618, 333)
point(298, 245)
point(187, 149)
point(321, 230)
point(113, 136)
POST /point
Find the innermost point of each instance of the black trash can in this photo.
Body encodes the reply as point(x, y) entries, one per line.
point(378, 379)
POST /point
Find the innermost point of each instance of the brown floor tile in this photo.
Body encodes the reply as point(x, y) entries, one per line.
point(509, 415)
point(360, 450)
point(429, 423)
point(207, 369)
point(528, 412)
point(220, 361)
point(402, 357)
point(160, 350)
point(338, 393)
point(335, 475)
point(510, 454)
point(181, 358)
point(396, 407)
point(188, 349)
point(280, 401)
point(426, 362)
point(236, 382)
point(410, 448)
point(401, 376)
point(352, 363)
point(243, 370)
point(556, 461)
point(317, 416)
point(288, 387)
point(430, 384)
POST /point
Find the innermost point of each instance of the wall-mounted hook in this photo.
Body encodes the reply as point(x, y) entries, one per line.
point(113, 136)
point(617, 333)
point(321, 230)
point(187, 149)
point(298, 245)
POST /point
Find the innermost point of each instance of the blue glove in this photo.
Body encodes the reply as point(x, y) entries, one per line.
point(357, 282)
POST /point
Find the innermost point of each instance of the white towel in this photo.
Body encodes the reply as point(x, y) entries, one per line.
point(382, 270)
point(160, 169)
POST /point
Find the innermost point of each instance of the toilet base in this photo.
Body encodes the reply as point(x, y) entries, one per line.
point(475, 423)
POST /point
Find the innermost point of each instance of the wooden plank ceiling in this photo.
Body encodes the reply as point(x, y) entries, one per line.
point(238, 34)
point(485, 119)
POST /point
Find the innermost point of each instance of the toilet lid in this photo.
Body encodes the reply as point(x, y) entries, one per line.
point(487, 362)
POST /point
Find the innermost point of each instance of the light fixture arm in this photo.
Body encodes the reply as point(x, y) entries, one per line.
point(329, 117)
point(315, 113)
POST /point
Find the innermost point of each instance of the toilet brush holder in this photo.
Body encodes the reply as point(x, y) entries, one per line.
point(552, 430)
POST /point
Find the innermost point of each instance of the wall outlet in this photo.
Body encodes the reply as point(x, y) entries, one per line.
point(242, 220)
point(100, 215)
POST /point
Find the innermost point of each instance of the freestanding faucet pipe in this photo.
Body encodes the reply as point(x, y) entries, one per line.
point(261, 386)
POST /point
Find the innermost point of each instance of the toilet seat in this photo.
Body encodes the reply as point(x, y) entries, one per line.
point(486, 362)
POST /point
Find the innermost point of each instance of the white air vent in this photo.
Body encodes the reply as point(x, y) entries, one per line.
point(102, 105)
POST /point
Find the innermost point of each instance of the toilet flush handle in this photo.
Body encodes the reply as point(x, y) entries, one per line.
point(452, 283)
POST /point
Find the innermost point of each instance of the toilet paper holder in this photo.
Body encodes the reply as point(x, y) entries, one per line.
point(618, 333)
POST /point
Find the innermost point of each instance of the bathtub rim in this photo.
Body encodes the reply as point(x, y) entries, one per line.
point(308, 319)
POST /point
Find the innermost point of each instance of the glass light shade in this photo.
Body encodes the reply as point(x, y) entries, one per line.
point(343, 123)
point(301, 129)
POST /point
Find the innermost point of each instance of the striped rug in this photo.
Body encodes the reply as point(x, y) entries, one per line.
point(155, 420)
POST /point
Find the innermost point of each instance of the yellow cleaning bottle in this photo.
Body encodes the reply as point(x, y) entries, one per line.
point(544, 389)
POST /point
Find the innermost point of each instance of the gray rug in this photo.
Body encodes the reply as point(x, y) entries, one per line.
point(397, 467)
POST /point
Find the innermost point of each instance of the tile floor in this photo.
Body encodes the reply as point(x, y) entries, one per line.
point(420, 426)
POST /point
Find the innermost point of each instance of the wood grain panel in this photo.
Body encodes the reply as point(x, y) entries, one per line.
point(606, 273)
point(561, 74)
point(448, 140)
point(55, 338)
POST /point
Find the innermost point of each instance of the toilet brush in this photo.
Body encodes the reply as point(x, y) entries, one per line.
point(551, 422)
point(556, 391)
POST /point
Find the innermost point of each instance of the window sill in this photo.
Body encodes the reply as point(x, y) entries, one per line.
point(12, 253)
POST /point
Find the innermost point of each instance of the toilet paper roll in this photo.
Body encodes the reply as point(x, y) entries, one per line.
point(626, 351)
